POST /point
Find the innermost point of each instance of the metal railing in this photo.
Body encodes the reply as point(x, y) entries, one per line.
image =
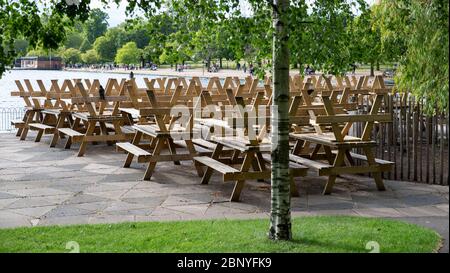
point(7, 114)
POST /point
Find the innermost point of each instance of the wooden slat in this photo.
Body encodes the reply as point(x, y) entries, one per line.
point(309, 163)
point(216, 165)
point(415, 141)
point(433, 148)
point(351, 118)
point(40, 126)
point(130, 148)
point(420, 140)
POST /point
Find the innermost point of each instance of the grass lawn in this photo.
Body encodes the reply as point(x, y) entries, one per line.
point(310, 234)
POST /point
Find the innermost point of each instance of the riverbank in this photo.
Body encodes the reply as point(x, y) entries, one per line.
point(168, 72)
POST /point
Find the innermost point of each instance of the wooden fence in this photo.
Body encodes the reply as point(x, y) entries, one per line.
point(418, 144)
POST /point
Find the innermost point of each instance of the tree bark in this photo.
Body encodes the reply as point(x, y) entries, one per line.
point(280, 217)
point(372, 72)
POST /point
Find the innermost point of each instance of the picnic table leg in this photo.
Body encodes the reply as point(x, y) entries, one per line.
point(259, 164)
point(41, 131)
point(172, 149)
point(104, 131)
point(151, 165)
point(239, 185)
point(298, 147)
point(316, 151)
point(349, 157)
point(329, 154)
point(193, 153)
point(28, 120)
point(338, 161)
point(25, 117)
point(136, 140)
point(118, 130)
point(235, 156)
point(376, 175)
point(89, 132)
point(59, 124)
point(39, 135)
point(209, 170)
point(69, 141)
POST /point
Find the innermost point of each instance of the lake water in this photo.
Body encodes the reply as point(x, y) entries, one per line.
point(7, 83)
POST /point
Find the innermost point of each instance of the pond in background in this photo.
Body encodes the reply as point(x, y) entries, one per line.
point(7, 83)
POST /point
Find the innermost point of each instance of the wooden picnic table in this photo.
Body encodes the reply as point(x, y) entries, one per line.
point(335, 147)
point(252, 155)
point(84, 128)
point(162, 133)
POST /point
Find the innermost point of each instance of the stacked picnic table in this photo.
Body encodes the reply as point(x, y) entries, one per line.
point(223, 127)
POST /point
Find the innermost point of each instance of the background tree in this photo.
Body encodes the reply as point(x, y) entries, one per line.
point(106, 48)
point(366, 44)
point(128, 54)
point(74, 40)
point(38, 52)
point(96, 25)
point(416, 32)
point(85, 45)
point(21, 47)
point(137, 32)
point(300, 40)
point(90, 57)
point(159, 27)
point(71, 56)
point(390, 18)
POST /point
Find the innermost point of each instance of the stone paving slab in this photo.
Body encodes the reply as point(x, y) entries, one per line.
point(52, 186)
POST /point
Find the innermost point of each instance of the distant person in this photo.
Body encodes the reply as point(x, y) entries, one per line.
point(238, 66)
point(101, 92)
point(244, 67)
point(131, 75)
point(251, 69)
point(307, 70)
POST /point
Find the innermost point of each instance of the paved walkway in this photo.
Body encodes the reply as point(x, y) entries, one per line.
point(43, 186)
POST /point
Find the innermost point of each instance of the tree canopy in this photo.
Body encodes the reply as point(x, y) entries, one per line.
point(128, 54)
point(327, 35)
point(416, 32)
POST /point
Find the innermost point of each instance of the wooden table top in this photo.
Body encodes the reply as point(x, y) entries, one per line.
point(243, 144)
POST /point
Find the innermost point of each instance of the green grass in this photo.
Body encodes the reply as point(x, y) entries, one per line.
point(310, 234)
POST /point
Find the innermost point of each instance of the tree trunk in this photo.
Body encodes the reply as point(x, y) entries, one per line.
point(378, 65)
point(220, 63)
point(280, 214)
point(372, 72)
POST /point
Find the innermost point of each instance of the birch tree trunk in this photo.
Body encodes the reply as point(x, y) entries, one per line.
point(280, 218)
